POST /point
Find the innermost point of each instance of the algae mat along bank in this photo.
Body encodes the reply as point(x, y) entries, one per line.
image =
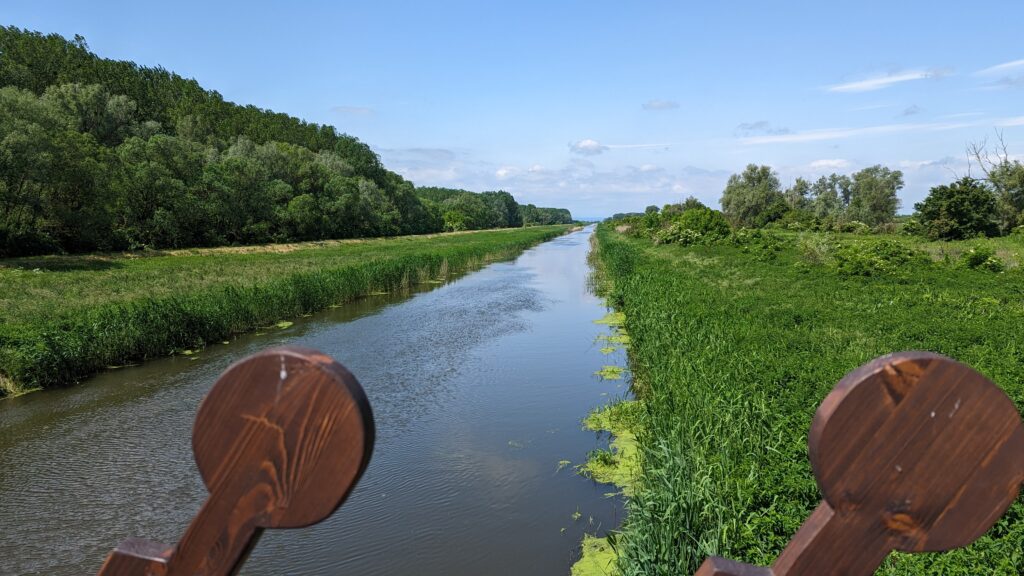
point(732, 348)
point(65, 317)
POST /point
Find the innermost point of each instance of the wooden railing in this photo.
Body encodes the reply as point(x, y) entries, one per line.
point(280, 441)
point(912, 452)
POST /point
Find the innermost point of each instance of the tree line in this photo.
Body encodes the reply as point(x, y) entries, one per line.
point(989, 204)
point(98, 154)
point(464, 210)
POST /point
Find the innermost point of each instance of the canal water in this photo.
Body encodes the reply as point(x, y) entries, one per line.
point(478, 387)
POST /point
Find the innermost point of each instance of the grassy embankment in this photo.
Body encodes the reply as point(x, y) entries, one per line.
point(732, 348)
point(65, 317)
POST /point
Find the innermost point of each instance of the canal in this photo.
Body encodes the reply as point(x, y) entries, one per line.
point(478, 387)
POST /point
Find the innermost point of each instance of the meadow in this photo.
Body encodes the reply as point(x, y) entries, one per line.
point(734, 343)
point(63, 318)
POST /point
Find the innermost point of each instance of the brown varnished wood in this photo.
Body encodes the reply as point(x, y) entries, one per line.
point(280, 441)
point(912, 452)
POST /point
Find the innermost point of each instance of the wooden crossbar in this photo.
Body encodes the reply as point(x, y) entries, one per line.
point(280, 441)
point(912, 452)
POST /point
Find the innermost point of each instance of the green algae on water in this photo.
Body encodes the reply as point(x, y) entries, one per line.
point(598, 558)
point(620, 464)
point(610, 372)
point(612, 319)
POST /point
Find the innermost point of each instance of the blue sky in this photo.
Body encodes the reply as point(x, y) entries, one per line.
point(599, 106)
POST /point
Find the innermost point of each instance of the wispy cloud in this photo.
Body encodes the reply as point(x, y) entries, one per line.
point(591, 147)
point(829, 164)
point(660, 105)
point(872, 107)
point(920, 164)
point(962, 115)
point(761, 127)
point(879, 82)
point(1005, 75)
point(843, 133)
point(1001, 68)
point(353, 110)
point(1006, 122)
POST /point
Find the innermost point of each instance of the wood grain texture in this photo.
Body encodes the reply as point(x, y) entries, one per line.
point(280, 442)
point(912, 452)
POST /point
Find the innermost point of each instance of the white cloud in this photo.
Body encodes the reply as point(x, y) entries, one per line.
point(1005, 75)
point(761, 127)
point(505, 172)
point(922, 164)
point(591, 147)
point(879, 82)
point(649, 168)
point(1018, 121)
point(871, 107)
point(587, 147)
point(1001, 68)
point(843, 133)
point(661, 105)
point(353, 110)
point(829, 164)
point(963, 115)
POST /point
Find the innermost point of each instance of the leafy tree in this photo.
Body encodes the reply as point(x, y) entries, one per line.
point(797, 195)
point(830, 195)
point(963, 209)
point(99, 154)
point(873, 199)
point(1007, 181)
point(753, 198)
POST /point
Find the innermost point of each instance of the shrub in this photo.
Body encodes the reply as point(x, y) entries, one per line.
point(693, 226)
point(964, 209)
point(982, 257)
point(853, 227)
point(875, 258)
point(796, 219)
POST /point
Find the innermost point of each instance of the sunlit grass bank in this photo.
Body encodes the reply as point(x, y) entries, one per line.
point(736, 344)
point(63, 318)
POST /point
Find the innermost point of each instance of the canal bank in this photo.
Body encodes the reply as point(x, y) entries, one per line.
point(478, 387)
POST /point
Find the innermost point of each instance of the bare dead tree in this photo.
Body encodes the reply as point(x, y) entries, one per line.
point(980, 154)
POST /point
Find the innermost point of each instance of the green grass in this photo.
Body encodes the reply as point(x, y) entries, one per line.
point(736, 345)
point(65, 317)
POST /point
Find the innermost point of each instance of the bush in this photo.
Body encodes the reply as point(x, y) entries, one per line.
point(875, 258)
point(796, 220)
point(964, 209)
point(853, 227)
point(982, 257)
point(693, 226)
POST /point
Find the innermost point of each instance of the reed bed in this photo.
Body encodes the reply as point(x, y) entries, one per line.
point(737, 345)
point(64, 318)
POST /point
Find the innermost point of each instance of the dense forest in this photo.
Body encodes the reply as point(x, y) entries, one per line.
point(98, 154)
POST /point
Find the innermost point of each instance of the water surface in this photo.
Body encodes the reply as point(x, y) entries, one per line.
point(477, 387)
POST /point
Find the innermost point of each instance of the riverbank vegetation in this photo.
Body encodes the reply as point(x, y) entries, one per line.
point(100, 155)
point(65, 317)
point(738, 334)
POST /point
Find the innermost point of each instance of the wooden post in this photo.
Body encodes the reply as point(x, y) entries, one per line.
point(280, 441)
point(912, 452)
